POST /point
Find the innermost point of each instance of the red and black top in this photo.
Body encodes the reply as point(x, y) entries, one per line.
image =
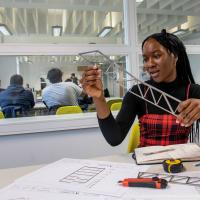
point(162, 129)
point(156, 125)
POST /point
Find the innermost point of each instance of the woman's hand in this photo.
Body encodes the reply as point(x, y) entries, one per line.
point(91, 82)
point(93, 86)
point(189, 112)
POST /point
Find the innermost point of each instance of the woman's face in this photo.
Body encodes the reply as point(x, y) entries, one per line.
point(158, 62)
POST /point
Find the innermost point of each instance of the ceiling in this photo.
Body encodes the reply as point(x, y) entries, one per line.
point(154, 15)
point(78, 18)
point(82, 20)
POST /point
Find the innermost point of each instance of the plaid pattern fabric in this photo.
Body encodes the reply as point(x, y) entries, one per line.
point(161, 130)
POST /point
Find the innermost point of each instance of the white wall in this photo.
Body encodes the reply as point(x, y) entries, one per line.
point(44, 139)
point(7, 69)
point(40, 148)
point(195, 66)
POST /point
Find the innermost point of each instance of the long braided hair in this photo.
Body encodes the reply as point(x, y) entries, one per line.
point(174, 45)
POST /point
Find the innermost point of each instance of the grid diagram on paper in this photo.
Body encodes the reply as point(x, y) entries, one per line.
point(82, 175)
point(117, 73)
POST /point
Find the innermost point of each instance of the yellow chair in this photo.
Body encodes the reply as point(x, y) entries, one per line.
point(111, 101)
point(1, 115)
point(68, 110)
point(134, 139)
point(116, 106)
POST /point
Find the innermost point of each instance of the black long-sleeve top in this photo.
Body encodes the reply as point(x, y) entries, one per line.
point(115, 130)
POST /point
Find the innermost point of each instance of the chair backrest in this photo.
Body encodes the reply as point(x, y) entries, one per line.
point(111, 101)
point(1, 115)
point(116, 106)
point(12, 111)
point(134, 139)
point(68, 110)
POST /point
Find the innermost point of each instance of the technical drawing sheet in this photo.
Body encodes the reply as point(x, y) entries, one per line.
point(87, 179)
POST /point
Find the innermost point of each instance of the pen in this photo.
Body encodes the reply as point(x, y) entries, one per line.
point(155, 152)
point(144, 182)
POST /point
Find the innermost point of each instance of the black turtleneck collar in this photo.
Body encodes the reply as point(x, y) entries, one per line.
point(168, 87)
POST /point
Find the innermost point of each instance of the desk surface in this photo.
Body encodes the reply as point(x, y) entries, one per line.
point(7, 176)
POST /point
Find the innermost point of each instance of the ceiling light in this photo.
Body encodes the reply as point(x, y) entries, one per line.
point(105, 31)
point(139, 1)
point(184, 25)
point(53, 59)
point(180, 32)
point(77, 58)
point(112, 57)
point(30, 62)
point(174, 29)
point(4, 30)
point(56, 30)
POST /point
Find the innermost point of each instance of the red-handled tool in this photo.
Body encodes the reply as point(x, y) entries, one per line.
point(154, 182)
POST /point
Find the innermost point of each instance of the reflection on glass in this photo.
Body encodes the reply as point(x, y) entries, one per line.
point(113, 70)
point(34, 72)
point(143, 75)
point(178, 17)
point(62, 21)
point(194, 62)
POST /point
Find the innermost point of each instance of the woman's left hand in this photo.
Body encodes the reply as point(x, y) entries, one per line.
point(189, 112)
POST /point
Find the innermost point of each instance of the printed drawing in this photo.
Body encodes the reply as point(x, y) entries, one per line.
point(82, 175)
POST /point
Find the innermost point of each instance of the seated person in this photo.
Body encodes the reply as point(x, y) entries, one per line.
point(84, 102)
point(60, 93)
point(166, 61)
point(16, 97)
point(74, 78)
point(106, 92)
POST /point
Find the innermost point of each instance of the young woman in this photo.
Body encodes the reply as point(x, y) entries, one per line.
point(167, 63)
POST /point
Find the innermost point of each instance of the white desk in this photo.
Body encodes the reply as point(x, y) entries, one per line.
point(7, 176)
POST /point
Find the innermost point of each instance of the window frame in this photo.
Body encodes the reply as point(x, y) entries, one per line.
point(127, 49)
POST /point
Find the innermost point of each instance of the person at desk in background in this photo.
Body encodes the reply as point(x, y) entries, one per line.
point(166, 61)
point(28, 87)
point(74, 78)
point(60, 93)
point(16, 96)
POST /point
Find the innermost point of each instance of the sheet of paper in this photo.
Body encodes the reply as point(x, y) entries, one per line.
point(153, 153)
point(142, 157)
point(188, 150)
point(28, 192)
point(90, 176)
point(89, 179)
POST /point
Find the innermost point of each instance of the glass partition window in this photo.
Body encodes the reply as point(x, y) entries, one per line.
point(194, 62)
point(178, 17)
point(63, 21)
point(34, 71)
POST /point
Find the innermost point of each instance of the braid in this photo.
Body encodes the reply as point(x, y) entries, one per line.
point(174, 45)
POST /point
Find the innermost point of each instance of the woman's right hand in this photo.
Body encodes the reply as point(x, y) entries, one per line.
point(92, 83)
point(93, 86)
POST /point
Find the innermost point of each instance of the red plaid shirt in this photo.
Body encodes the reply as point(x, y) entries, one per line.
point(157, 129)
point(162, 130)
